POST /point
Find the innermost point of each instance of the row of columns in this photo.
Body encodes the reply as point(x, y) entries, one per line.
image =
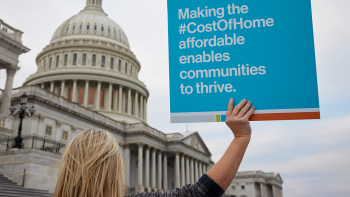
point(191, 168)
point(138, 111)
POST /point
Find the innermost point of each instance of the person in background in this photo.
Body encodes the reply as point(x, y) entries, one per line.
point(92, 164)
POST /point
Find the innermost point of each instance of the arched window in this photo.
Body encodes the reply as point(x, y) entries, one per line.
point(103, 61)
point(66, 60)
point(102, 98)
point(126, 68)
point(70, 93)
point(102, 29)
point(131, 70)
point(93, 1)
point(59, 92)
point(44, 64)
point(120, 36)
point(67, 28)
point(95, 27)
point(112, 101)
point(50, 62)
point(74, 27)
point(81, 26)
point(75, 57)
point(81, 95)
point(94, 60)
point(109, 30)
point(91, 97)
point(88, 26)
point(115, 32)
point(119, 65)
point(84, 59)
point(112, 63)
point(57, 61)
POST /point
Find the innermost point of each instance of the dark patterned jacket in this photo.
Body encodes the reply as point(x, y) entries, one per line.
point(205, 187)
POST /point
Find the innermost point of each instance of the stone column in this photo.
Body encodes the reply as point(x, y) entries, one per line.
point(177, 170)
point(115, 102)
point(139, 187)
point(147, 169)
point(275, 192)
point(74, 96)
point(127, 165)
point(109, 102)
point(263, 190)
point(141, 106)
point(86, 93)
point(7, 93)
point(188, 181)
point(182, 170)
point(129, 101)
point(136, 105)
point(196, 170)
point(52, 86)
point(159, 170)
point(199, 169)
point(165, 172)
point(62, 88)
point(120, 99)
point(153, 177)
point(145, 109)
point(192, 170)
point(97, 101)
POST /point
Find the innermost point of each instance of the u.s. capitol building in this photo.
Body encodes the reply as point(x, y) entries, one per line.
point(87, 77)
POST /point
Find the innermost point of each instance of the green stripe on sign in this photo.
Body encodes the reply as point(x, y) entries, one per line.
point(218, 118)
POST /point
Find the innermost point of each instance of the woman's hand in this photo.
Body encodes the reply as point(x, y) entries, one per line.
point(237, 119)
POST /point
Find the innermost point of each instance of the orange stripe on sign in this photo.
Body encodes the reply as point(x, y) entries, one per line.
point(286, 116)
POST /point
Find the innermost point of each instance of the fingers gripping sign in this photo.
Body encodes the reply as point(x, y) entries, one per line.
point(237, 119)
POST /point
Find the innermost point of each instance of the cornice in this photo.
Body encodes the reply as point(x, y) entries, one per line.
point(16, 46)
point(34, 98)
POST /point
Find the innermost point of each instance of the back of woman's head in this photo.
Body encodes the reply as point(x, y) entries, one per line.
point(92, 165)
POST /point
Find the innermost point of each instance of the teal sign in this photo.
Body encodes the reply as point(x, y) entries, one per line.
point(262, 51)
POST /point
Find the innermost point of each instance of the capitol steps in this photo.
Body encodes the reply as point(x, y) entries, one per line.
point(11, 189)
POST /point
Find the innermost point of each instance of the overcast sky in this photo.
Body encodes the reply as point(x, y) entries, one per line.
point(312, 156)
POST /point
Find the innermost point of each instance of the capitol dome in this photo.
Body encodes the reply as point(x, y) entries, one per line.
point(89, 23)
point(89, 61)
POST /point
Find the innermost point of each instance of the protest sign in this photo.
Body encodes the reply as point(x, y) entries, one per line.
point(262, 51)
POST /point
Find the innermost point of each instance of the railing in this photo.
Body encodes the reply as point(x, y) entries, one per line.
point(12, 32)
point(33, 142)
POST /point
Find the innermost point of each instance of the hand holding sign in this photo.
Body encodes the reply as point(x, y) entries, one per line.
point(237, 119)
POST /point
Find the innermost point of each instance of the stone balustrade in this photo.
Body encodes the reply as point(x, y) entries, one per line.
point(10, 31)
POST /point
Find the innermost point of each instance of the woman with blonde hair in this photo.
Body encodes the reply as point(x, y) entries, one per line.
point(92, 163)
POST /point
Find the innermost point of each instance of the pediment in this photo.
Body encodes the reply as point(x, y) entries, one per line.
point(195, 141)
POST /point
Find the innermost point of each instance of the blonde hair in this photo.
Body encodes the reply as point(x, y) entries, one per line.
point(92, 165)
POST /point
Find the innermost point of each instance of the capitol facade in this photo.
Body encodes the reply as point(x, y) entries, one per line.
point(87, 77)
